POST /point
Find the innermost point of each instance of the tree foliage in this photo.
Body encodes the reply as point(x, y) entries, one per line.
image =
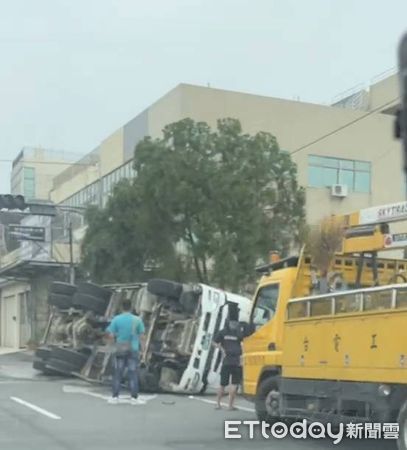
point(205, 205)
point(323, 242)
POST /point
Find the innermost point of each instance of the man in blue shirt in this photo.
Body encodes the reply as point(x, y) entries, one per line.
point(127, 331)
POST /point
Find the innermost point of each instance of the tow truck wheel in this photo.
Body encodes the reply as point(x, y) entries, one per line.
point(402, 421)
point(267, 402)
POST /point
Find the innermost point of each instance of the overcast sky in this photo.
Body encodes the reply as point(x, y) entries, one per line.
point(73, 71)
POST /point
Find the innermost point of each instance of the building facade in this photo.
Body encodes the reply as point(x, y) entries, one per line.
point(34, 169)
point(346, 154)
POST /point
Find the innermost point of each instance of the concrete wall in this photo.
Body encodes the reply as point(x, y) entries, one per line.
point(166, 110)
point(111, 152)
point(133, 132)
point(79, 179)
point(383, 91)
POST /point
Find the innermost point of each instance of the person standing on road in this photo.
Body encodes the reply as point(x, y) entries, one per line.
point(127, 332)
point(229, 340)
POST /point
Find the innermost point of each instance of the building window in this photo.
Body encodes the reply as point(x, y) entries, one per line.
point(325, 171)
point(29, 182)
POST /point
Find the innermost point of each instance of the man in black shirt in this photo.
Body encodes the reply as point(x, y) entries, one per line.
point(229, 341)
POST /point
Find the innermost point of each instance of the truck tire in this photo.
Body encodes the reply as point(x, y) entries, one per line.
point(70, 356)
point(95, 291)
point(61, 367)
point(148, 381)
point(57, 287)
point(165, 288)
point(189, 301)
point(40, 365)
point(89, 303)
point(43, 353)
point(402, 421)
point(60, 300)
point(267, 400)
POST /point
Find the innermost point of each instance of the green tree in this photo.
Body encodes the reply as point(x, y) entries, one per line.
point(205, 205)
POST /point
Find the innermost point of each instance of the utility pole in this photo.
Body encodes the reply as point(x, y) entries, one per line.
point(71, 263)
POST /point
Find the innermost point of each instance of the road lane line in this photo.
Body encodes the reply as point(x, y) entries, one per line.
point(36, 408)
point(212, 402)
point(85, 391)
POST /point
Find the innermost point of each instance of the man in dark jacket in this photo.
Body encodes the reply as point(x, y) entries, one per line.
point(229, 340)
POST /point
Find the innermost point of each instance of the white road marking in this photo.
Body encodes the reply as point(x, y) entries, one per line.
point(212, 402)
point(36, 408)
point(85, 391)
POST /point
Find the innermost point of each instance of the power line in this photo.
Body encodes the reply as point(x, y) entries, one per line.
point(342, 127)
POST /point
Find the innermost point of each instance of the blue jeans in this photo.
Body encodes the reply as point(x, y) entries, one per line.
point(119, 364)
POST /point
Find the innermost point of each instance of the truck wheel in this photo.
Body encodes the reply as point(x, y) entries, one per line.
point(89, 302)
point(95, 290)
point(148, 381)
point(70, 356)
point(402, 421)
point(61, 367)
point(267, 400)
point(165, 288)
point(62, 301)
point(40, 365)
point(57, 287)
point(43, 353)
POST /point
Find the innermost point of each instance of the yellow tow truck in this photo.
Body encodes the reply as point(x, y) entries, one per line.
point(339, 356)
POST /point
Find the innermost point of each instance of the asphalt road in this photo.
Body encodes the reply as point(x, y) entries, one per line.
point(38, 413)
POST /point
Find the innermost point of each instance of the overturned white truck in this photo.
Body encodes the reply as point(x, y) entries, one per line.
point(180, 319)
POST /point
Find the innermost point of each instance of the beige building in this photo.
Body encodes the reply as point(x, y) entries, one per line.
point(346, 154)
point(34, 169)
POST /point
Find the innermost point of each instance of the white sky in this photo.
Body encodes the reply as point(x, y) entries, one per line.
point(72, 71)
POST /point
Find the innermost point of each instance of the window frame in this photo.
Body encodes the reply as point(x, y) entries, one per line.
point(255, 303)
point(320, 166)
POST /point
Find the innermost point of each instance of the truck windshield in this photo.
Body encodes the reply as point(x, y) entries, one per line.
point(265, 305)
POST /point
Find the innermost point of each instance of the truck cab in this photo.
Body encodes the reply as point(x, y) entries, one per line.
point(262, 350)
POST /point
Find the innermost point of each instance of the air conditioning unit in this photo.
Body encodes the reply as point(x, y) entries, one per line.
point(339, 190)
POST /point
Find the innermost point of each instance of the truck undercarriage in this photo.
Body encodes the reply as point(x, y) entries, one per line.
point(74, 342)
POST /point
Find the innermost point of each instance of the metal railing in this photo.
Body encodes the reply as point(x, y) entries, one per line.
point(349, 302)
